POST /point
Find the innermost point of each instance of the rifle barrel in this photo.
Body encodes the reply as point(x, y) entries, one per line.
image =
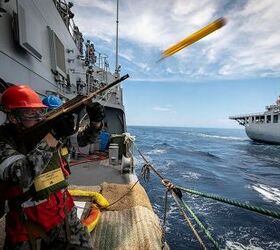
point(30, 137)
point(80, 100)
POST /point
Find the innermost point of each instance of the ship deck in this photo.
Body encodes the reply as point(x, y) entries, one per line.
point(128, 224)
point(94, 173)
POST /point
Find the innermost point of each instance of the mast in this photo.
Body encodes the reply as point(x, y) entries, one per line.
point(117, 42)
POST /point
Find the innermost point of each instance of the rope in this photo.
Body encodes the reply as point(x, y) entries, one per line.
point(274, 214)
point(149, 165)
point(164, 220)
point(129, 142)
point(124, 194)
point(188, 220)
point(176, 193)
point(209, 236)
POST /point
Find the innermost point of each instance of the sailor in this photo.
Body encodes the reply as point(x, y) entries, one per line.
point(52, 102)
point(41, 211)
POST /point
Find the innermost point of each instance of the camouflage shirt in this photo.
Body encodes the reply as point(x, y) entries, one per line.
point(22, 169)
point(19, 168)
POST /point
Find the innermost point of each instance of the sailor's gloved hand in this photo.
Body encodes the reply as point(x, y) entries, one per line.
point(64, 126)
point(95, 112)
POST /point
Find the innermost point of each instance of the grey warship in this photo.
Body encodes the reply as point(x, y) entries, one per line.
point(41, 46)
point(264, 126)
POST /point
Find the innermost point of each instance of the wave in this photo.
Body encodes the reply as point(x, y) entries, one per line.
point(156, 152)
point(238, 246)
point(206, 154)
point(230, 245)
point(191, 175)
point(269, 193)
point(230, 138)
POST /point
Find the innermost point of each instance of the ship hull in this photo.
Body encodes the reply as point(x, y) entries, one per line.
point(269, 133)
point(41, 46)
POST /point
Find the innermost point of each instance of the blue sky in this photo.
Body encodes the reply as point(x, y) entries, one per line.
point(234, 70)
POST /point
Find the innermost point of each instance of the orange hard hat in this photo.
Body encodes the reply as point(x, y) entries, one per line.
point(21, 96)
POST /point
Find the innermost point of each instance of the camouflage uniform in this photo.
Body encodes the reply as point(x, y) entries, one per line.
point(80, 238)
point(21, 170)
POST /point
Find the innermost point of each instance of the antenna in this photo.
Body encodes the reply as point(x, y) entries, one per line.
point(117, 69)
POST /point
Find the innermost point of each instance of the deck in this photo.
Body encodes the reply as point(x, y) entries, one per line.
point(129, 223)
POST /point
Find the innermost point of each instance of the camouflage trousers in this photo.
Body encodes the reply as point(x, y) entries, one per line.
point(79, 237)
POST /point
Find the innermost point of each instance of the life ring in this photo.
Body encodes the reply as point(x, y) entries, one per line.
point(94, 215)
point(97, 198)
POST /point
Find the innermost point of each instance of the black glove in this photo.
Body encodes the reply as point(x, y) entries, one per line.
point(64, 126)
point(95, 112)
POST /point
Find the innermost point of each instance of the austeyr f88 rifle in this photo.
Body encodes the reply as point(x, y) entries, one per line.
point(28, 138)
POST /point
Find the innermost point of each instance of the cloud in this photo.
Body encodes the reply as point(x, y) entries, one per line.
point(162, 108)
point(247, 47)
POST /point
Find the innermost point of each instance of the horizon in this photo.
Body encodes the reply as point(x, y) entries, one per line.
point(156, 126)
point(234, 70)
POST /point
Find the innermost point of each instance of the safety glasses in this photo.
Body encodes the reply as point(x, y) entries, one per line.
point(31, 114)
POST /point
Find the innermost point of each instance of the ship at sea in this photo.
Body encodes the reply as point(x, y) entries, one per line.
point(264, 126)
point(41, 46)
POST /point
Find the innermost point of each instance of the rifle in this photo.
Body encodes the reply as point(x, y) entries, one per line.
point(28, 138)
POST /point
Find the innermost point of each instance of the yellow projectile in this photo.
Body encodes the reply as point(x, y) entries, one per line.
point(194, 37)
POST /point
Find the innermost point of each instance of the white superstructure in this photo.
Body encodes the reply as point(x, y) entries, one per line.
point(263, 126)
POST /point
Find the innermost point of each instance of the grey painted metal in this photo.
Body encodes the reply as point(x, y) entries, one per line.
point(27, 54)
point(94, 173)
point(263, 126)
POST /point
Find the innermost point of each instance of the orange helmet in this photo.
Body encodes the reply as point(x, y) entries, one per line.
point(20, 96)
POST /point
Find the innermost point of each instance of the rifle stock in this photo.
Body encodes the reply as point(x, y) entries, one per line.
point(30, 137)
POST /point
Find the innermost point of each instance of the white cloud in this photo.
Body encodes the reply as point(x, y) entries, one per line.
point(162, 109)
point(248, 46)
point(127, 54)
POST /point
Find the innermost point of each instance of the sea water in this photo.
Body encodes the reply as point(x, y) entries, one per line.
point(217, 161)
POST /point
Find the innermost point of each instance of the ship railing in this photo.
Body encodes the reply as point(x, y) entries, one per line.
point(67, 16)
point(274, 107)
point(102, 61)
point(245, 115)
point(64, 10)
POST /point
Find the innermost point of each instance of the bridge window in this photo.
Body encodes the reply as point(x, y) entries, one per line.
point(262, 118)
point(257, 119)
point(253, 119)
point(268, 119)
point(275, 118)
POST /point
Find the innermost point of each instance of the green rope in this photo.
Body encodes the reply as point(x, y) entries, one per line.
point(201, 225)
point(274, 214)
point(187, 219)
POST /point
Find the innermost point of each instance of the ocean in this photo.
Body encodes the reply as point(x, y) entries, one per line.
point(217, 161)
